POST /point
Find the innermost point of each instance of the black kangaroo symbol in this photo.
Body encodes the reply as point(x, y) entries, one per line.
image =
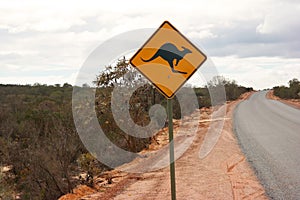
point(169, 53)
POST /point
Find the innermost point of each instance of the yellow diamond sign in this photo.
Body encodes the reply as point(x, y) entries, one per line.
point(168, 59)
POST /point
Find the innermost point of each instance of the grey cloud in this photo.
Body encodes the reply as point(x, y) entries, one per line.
point(243, 40)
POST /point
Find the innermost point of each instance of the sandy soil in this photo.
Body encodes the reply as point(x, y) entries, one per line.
point(223, 174)
point(291, 102)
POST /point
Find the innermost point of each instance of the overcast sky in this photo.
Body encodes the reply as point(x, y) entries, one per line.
point(255, 42)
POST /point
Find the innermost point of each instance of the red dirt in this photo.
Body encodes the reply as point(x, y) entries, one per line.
point(291, 102)
point(223, 174)
point(78, 192)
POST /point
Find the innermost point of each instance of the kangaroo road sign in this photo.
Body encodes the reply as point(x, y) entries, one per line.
point(168, 59)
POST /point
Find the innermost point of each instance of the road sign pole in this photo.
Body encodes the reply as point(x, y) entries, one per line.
point(171, 143)
point(166, 43)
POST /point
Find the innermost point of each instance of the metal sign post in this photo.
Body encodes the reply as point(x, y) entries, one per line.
point(171, 143)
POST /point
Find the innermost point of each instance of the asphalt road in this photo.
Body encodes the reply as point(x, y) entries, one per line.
point(269, 134)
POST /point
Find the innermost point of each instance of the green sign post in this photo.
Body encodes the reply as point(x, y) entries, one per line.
point(171, 146)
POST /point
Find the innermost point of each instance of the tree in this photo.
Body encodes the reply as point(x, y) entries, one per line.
point(294, 88)
point(291, 92)
point(120, 74)
point(67, 85)
point(232, 89)
point(124, 76)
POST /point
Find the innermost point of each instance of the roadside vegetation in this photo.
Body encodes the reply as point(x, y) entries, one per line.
point(38, 138)
point(290, 92)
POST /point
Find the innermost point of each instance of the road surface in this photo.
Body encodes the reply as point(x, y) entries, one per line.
point(269, 134)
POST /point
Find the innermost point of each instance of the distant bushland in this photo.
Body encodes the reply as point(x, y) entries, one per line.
point(290, 92)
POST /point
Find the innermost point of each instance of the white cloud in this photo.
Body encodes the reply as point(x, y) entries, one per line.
point(43, 38)
point(282, 19)
point(201, 34)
